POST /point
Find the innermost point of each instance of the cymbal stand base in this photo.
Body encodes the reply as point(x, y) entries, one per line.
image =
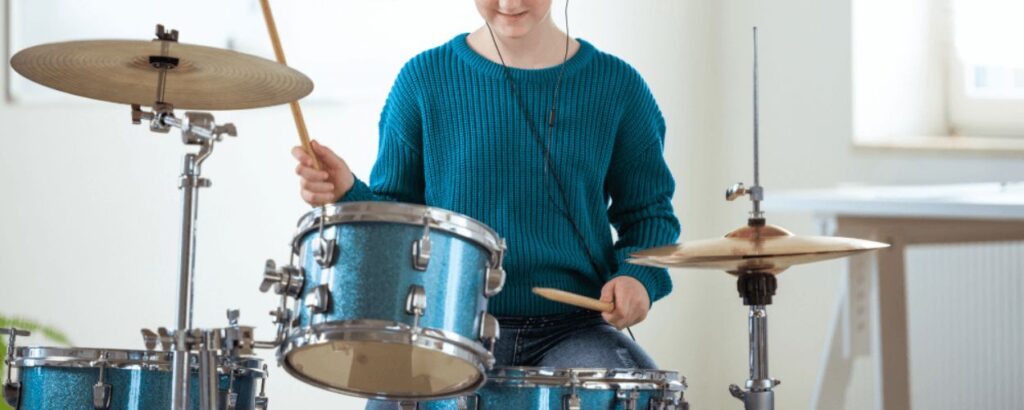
point(757, 289)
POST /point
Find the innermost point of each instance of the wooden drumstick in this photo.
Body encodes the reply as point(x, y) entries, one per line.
point(570, 298)
point(300, 122)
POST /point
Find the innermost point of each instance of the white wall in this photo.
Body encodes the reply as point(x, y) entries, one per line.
point(90, 214)
point(806, 128)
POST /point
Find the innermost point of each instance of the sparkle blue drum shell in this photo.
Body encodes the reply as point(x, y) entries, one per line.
point(63, 378)
point(356, 332)
point(557, 389)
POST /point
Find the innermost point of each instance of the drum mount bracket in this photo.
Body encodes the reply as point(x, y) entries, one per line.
point(12, 390)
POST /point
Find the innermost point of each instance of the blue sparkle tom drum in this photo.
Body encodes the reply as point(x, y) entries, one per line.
point(545, 388)
point(71, 378)
point(393, 301)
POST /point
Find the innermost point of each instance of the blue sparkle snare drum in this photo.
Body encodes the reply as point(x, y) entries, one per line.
point(393, 300)
point(71, 378)
point(545, 388)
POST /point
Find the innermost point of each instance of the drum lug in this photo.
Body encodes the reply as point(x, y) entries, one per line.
point(101, 391)
point(262, 402)
point(318, 299)
point(416, 304)
point(573, 402)
point(495, 281)
point(462, 403)
point(12, 390)
point(628, 397)
point(421, 247)
point(490, 330)
point(408, 405)
point(326, 251)
point(12, 393)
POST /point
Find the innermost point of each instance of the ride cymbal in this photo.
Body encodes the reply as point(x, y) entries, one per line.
point(122, 71)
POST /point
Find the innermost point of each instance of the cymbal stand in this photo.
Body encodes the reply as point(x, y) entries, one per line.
point(756, 288)
point(198, 128)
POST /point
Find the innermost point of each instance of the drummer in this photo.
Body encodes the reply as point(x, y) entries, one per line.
point(549, 141)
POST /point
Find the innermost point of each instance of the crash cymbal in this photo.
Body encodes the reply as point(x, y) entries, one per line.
point(767, 248)
point(119, 71)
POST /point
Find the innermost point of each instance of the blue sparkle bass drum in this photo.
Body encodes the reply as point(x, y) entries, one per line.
point(545, 388)
point(71, 378)
point(390, 300)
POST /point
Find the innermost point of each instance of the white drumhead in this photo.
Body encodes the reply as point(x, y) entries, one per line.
point(373, 369)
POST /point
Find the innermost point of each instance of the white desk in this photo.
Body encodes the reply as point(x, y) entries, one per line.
point(871, 316)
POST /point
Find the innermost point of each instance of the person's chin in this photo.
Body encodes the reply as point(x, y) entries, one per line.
point(513, 31)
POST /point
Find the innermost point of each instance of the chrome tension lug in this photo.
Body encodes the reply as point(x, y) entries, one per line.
point(101, 396)
point(318, 300)
point(12, 393)
point(422, 246)
point(572, 402)
point(325, 253)
point(415, 305)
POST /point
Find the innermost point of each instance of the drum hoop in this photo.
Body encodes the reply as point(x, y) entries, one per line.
point(85, 357)
point(385, 331)
point(397, 212)
point(589, 378)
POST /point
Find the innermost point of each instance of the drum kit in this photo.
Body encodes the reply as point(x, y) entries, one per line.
point(356, 314)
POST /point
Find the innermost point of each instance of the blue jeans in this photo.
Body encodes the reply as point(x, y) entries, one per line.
point(578, 339)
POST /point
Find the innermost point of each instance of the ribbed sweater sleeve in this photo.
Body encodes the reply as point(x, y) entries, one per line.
point(398, 173)
point(641, 186)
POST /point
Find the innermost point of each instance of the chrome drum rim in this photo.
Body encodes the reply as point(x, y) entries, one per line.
point(84, 357)
point(396, 212)
point(588, 378)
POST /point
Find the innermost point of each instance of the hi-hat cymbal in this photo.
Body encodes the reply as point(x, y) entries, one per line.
point(119, 71)
point(768, 248)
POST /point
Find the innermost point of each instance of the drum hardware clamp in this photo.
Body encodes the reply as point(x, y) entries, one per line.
point(12, 390)
point(629, 397)
point(287, 282)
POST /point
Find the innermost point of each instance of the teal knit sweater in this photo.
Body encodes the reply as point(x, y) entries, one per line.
point(453, 137)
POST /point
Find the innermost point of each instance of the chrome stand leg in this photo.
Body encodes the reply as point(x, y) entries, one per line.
point(208, 380)
point(756, 290)
point(190, 184)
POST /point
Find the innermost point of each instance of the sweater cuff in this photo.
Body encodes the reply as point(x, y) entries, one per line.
point(359, 192)
point(655, 280)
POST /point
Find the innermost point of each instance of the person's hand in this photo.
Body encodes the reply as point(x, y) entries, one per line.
point(326, 185)
point(631, 301)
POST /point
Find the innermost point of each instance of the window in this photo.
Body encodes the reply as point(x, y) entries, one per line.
point(987, 68)
point(938, 73)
